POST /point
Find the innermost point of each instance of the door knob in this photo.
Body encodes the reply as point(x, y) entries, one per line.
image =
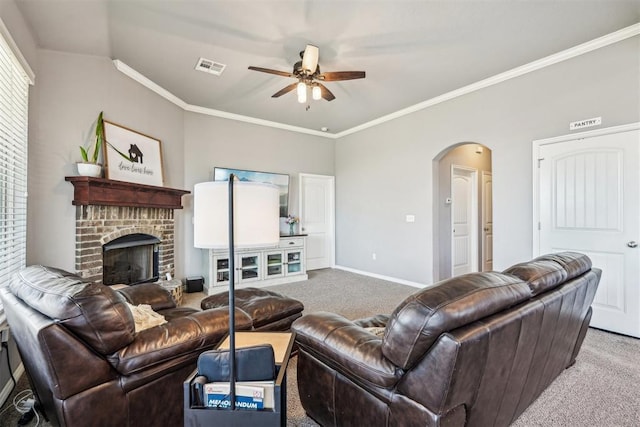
point(632, 244)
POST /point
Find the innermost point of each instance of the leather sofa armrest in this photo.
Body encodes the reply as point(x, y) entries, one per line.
point(179, 338)
point(346, 347)
point(148, 293)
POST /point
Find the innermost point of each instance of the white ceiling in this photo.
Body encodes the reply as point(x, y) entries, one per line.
point(412, 51)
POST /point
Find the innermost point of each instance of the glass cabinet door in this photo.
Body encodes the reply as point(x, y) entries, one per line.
point(249, 267)
point(222, 270)
point(274, 265)
point(294, 262)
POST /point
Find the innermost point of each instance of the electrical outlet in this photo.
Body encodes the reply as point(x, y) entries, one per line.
point(374, 256)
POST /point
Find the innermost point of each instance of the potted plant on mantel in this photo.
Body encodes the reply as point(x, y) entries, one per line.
point(89, 165)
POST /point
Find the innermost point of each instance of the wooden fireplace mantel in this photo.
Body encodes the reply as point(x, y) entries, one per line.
point(108, 192)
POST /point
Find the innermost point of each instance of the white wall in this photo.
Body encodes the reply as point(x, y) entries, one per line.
point(385, 172)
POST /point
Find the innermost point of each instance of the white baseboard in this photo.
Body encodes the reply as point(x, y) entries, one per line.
point(381, 277)
point(8, 387)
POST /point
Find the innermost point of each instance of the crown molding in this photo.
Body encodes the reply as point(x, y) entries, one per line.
point(564, 55)
point(149, 84)
point(255, 121)
point(606, 40)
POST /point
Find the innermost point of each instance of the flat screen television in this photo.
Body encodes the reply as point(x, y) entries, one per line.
point(278, 179)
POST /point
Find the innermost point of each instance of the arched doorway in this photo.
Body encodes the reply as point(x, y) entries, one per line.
point(462, 210)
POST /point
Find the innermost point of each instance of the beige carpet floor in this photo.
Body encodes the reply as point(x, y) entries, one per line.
point(601, 389)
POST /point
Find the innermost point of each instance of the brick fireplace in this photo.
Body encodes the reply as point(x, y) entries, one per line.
point(107, 210)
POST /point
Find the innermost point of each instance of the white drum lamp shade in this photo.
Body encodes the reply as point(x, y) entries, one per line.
point(256, 213)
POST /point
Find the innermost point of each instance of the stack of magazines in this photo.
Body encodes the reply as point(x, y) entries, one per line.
point(252, 395)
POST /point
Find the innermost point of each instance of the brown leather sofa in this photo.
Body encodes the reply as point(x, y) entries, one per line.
point(474, 350)
point(86, 363)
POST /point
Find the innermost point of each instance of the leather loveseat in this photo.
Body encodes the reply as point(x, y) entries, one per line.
point(86, 363)
point(476, 349)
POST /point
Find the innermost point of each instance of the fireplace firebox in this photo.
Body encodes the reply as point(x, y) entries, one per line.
point(130, 260)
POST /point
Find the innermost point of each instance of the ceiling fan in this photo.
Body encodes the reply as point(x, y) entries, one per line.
point(308, 73)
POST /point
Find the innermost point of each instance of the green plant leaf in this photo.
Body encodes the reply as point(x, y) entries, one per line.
point(99, 138)
point(83, 153)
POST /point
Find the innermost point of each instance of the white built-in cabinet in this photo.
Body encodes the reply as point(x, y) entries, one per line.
point(259, 266)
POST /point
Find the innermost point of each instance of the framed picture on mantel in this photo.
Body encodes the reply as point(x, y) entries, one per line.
point(132, 156)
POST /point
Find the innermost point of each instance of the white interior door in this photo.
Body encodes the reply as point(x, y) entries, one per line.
point(317, 219)
point(588, 202)
point(464, 219)
point(487, 221)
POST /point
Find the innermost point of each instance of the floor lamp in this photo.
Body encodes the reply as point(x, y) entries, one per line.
point(235, 214)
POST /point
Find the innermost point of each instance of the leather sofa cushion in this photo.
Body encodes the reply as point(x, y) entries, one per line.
point(148, 293)
point(574, 263)
point(541, 275)
point(94, 312)
point(421, 318)
point(262, 305)
point(548, 271)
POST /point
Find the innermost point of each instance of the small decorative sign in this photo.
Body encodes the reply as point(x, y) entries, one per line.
point(586, 123)
point(132, 156)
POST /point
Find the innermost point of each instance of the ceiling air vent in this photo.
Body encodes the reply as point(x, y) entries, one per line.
point(209, 66)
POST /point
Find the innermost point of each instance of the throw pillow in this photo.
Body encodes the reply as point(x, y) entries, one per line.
point(144, 317)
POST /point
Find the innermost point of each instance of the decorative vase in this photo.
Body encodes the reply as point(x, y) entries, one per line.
point(291, 229)
point(89, 169)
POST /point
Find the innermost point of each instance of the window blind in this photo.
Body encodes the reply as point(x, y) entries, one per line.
point(14, 98)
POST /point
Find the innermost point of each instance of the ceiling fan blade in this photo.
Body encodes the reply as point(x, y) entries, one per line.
point(270, 71)
point(326, 93)
point(284, 90)
point(310, 59)
point(334, 76)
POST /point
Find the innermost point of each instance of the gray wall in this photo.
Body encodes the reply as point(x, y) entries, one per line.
point(385, 172)
point(15, 23)
point(382, 173)
point(69, 93)
point(211, 142)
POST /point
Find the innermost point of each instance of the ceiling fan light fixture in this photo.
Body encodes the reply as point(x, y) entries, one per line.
point(308, 76)
point(302, 92)
point(310, 59)
point(316, 93)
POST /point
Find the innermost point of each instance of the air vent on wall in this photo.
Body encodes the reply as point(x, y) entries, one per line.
point(209, 66)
